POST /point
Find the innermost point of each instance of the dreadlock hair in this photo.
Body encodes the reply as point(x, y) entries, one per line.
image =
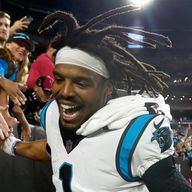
point(104, 43)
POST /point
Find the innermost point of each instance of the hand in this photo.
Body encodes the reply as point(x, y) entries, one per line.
point(20, 24)
point(13, 89)
point(5, 131)
point(9, 145)
point(26, 133)
point(37, 117)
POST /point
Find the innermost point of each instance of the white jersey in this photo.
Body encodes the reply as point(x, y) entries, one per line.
point(108, 160)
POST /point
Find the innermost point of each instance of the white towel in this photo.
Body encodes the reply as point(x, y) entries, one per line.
point(117, 113)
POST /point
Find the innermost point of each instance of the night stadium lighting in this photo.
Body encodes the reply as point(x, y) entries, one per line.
point(141, 2)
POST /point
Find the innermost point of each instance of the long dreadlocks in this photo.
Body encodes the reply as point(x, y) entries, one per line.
point(104, 43)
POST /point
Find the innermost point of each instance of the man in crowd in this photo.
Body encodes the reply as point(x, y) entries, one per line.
point(96, 140)
point(6, 30)
point(42, 66)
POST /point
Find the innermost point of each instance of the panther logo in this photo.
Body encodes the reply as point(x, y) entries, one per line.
point(163, 136)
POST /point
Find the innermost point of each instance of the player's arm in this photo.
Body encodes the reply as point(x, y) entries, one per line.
point(164, 177)
point(154, 158)
point(35, 150)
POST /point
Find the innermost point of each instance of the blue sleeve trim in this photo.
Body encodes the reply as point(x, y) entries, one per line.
point(43, 114)
point(127, 145)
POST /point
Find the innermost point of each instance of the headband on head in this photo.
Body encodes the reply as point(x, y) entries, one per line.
point(67, 55)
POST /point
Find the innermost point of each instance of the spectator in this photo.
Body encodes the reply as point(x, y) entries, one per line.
point(36, 99)
point(4, 34)
point(20, 45)
point(125, 143)
point(5, 29)
point(17, 49)
point(42, 66)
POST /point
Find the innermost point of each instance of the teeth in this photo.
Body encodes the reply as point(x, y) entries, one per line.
point(65, 107)
point(67, 113)
point(72, 115)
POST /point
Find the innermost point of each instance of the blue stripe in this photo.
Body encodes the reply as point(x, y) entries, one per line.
point(128, 144)
point(43, 114)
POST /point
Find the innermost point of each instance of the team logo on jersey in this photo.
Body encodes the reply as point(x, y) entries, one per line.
point(153, 108)
point(162, 135)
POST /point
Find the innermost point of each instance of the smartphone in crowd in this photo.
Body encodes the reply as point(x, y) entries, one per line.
point(29, 18)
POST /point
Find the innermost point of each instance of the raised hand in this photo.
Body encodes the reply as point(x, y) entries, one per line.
point(13, 89)
point(20, 25)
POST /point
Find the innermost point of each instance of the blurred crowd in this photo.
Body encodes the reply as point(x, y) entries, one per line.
point(183, 142)
point(25, 88)
point(25, 85)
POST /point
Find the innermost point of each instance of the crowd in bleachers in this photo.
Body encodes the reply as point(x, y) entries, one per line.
point(182, 139)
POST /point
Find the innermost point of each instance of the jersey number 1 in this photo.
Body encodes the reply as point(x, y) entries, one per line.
point(65, 175)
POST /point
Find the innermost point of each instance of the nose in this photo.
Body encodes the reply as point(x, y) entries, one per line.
point(67, 89)
point(24, 50)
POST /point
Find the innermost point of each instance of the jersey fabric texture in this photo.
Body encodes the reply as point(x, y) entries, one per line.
point(117, 149)
point(42, 66)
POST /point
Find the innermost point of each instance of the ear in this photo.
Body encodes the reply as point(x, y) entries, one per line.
point(109, 88)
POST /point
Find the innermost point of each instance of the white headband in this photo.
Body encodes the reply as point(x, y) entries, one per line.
point(67, 55)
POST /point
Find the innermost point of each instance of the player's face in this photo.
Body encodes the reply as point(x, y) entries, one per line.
point(79, 93)
point(4, 28)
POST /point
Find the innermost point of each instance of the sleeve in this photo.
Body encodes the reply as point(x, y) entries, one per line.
point(3, 67)
point(154, 143)
point(164, 177)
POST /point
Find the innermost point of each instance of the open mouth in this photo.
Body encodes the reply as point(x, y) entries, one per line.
point(70, 112)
